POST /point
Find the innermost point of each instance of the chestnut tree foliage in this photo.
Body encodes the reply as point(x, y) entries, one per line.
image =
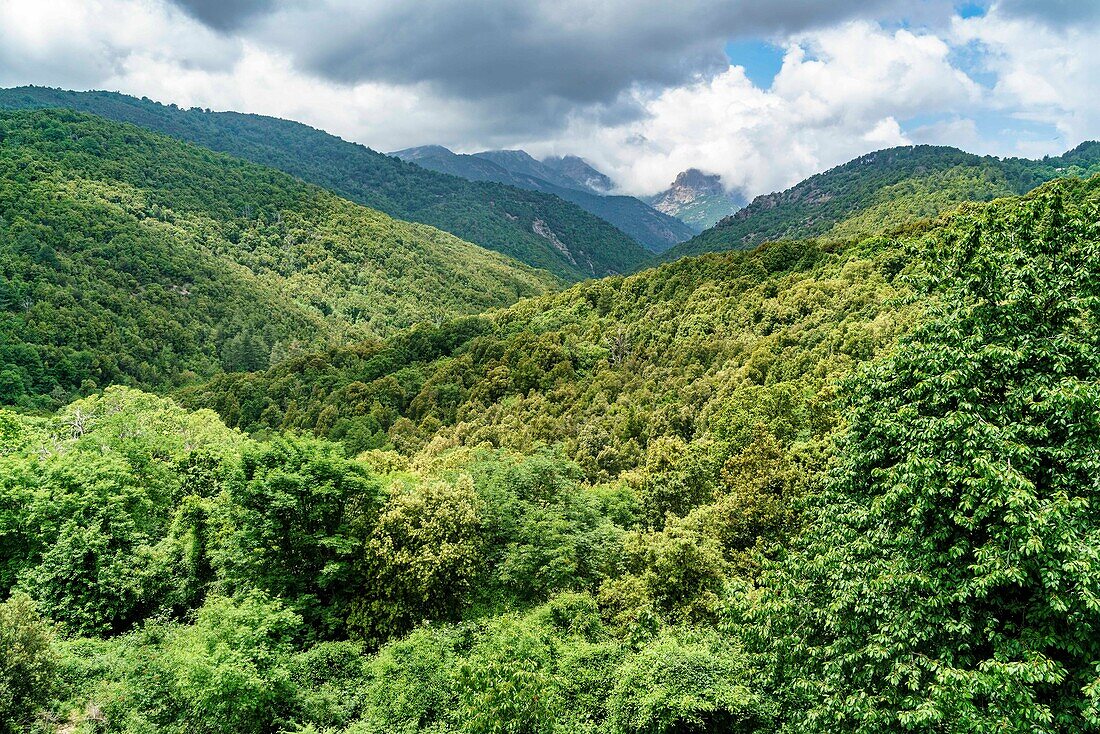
point(951, 580)
point(815, 487)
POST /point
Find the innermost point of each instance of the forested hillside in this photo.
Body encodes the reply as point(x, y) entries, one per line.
point(538, 229)
point(132, 257)
point(885, 189)
point(610, 371)
point(806, 488)
point(652, 229)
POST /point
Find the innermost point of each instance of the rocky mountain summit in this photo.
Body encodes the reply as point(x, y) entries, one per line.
point(698, 199)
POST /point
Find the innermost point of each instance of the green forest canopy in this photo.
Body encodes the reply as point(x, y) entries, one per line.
point(839, 487)
point(539, 229)
point(885, 189)
point(129, 257)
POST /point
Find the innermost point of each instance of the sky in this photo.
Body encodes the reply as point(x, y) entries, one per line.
point(761, 92)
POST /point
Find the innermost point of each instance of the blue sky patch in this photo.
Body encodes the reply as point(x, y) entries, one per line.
point(761, 60)
point(971, 9)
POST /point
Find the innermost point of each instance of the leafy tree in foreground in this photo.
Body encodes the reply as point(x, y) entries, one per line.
point(421, 559)
point(28, 662)
point(952, 580)
point(697, 684)
point(300, 516)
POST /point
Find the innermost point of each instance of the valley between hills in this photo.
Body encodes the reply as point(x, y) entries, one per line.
point(296, 436)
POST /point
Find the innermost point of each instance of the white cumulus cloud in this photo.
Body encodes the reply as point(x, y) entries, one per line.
point(839, 93)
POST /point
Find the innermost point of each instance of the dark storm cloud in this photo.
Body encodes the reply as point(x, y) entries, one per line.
point(1059, 13)
point(583, 51)
point(529, 64)
point(225, 15)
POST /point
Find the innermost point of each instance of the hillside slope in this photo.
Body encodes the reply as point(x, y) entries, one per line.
point(132, 257)
point(534, 228)
point(736, 493)
point(655, 230)
point(609, 370)
point(883, 189)
point(617, 373)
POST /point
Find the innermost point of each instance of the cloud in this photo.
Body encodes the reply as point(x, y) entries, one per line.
point(639, 87)
point(81, 44)
point(383, 116)
point(1057, 13)
point(960, 132)
point(839, 93)
point(1043, 74)
point(225, 15)
point(536, 59)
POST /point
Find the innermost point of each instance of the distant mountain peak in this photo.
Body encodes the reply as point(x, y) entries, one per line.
point(698, 199)
point(693, 183)
point(581, 171)
point(698, 182)
point(512, 157)
point(421, 151)
point(567, 177)
point(570, 171)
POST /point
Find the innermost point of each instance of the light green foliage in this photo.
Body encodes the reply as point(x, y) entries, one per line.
point(131, 257)
point(492, 215)
point(949, 580)
point(921, 197)
point(28, 663)
point(228, 671)
point(550, 533)
point(330, 684)
point(410, 684)
point(298, 516)
point(612, 372)
point(507, 688)
point(87, 509)
point(719, 496)
point(687, 682)
point(17, 432)
point(681, 571)
point(422, 557)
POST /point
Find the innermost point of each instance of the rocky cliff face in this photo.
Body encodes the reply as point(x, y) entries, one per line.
point(688, 187)
point(698, 199)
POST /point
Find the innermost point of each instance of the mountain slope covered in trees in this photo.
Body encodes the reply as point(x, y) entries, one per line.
point(132, 257)
point(883, 189)
point(534, 228)
point(654, 230)
point(814, 487)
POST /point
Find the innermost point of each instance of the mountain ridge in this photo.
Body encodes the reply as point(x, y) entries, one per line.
point(655, 230)
point(495, 216)
point(697, 198)
point(129, 256)
point(884, 188)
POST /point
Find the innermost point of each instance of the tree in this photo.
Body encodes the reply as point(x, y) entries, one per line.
point(700, 683)
point(508, 686)
point(28, 664)
point(226, 672)
point(300, 515)
point(950, 580)
point(422, 558)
